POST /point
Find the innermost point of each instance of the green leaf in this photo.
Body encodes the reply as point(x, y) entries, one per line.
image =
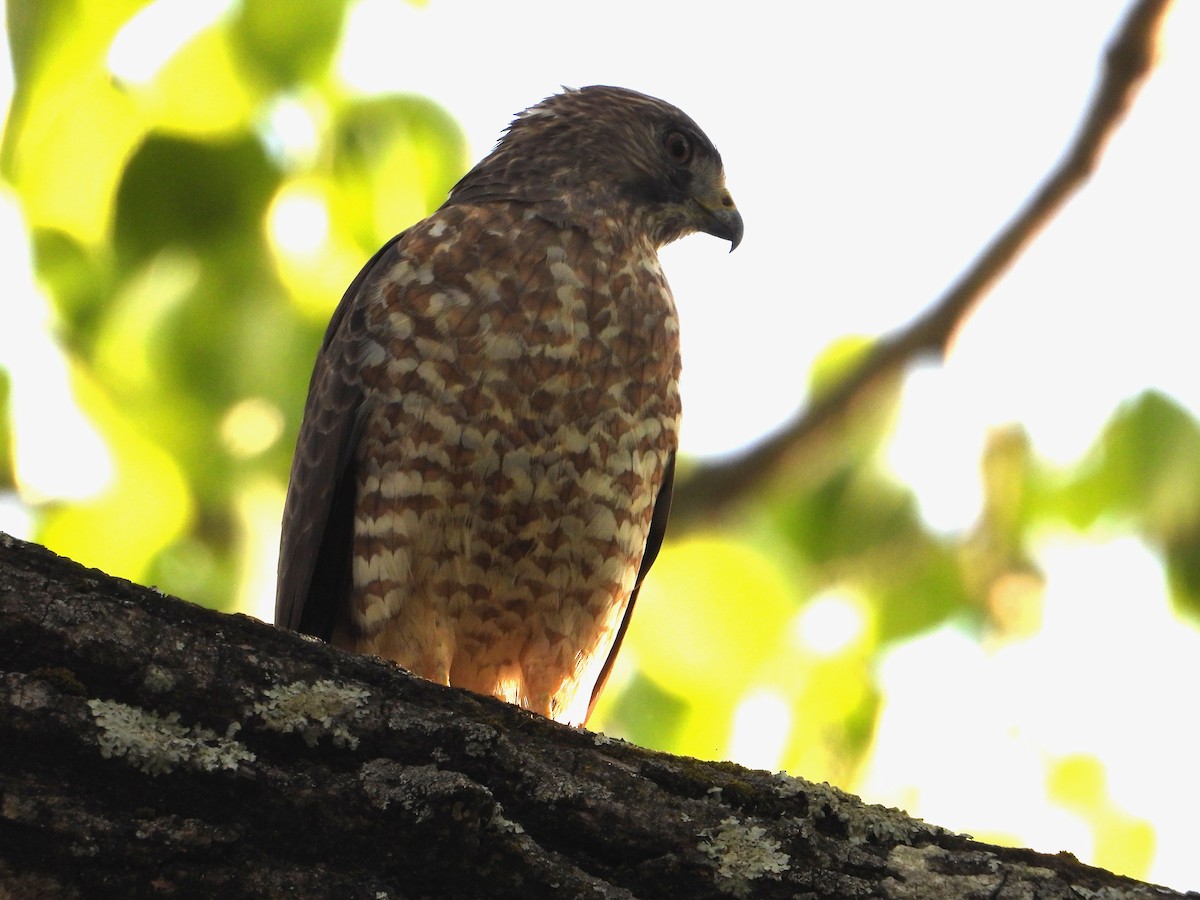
point(290, 43)
point(394, 161)
point(1146, 466)
point(7, 476)
point(643, 713)
point(850, 513)
point(1183, 570)
point(70, 129)
point(79, 284)
point(203, 194)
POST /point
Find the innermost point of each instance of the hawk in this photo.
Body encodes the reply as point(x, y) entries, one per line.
point(483, 472)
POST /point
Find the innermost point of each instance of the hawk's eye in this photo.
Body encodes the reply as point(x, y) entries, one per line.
point(679, 148)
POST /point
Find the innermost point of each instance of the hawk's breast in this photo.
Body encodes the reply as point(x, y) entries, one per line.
point(522, 406)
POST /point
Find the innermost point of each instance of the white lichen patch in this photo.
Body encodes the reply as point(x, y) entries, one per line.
point(479, 740)
point(742, 853)
point(600, 739)
point(502, 824)
point(158, 680)
point(313, 710)
point(863, 822)
point(789, 786)
point(158, 744)
point(921, 873)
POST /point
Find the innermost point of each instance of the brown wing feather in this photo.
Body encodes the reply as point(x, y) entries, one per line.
point(318, 516)
point(658, 529)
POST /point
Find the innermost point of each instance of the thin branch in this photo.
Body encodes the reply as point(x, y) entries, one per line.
point(1129, 59)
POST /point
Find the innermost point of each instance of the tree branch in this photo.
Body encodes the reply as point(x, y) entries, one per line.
point(1128, 61)
point(156, 748)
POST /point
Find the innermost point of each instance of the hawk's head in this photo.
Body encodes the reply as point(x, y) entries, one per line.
point(608, 151)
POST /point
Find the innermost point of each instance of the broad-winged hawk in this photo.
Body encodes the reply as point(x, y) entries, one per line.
point(484, 468)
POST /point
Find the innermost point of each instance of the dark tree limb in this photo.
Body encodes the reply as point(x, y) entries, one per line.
point(155, 748)
point(1128, 61)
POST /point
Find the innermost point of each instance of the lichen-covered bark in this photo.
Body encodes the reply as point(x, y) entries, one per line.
point(154, 748)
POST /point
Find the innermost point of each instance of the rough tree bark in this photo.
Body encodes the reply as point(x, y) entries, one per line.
point(155, 748)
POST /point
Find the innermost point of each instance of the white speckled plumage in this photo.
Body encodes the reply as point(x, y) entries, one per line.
point(482, 472)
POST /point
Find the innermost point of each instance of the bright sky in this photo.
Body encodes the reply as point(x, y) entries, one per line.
point(873, 148)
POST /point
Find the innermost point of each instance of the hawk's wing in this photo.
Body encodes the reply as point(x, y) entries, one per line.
point(658, 528)
point(318, 517)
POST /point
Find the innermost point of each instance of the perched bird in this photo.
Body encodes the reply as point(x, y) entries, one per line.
point(483, 473)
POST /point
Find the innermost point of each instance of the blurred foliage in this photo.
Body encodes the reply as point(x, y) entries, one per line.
point(7, 479)
point(194, 228)
point(154, 209)
point(854, 529)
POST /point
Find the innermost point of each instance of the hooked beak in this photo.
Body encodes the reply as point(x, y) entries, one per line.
point(722, 219)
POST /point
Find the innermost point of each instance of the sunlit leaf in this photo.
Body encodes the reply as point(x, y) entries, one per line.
point(145, 508)
point(394, 161)
point(1007, 471)
point(917, 588)
point(314, 260)
point(709, 610)
point(68, 158)
point(834, 706)
point(643, 713)
point(70, 128)
point(1077, 782)
point(851, 512)
point(837, 361)
point(1146, 466)
point(1183, 570)
point(78, 281)
point(201, 89)
point(182, 191)
point(284, 44)
point(6, 448)
point(1124, 843)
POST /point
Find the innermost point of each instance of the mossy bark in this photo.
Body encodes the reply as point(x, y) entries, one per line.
point(155, 748)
